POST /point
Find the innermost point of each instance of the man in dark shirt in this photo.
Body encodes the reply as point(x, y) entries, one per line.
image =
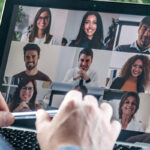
point(31, 57)
point(142, 44)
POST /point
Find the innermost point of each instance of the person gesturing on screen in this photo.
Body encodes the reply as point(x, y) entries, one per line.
point(83, 74)
point(24, 98)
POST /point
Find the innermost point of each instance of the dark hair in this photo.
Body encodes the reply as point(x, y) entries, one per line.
point(124, 97)
point(144, 78)
point(87, 52)
point(64, 41)
point(82, 89)
point(145, 20)
point(16, 96)
point(34, 30)
point(31, 47)
point(97, 40)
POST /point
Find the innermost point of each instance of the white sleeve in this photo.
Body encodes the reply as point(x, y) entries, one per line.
point(68, 77)
point(24, 38)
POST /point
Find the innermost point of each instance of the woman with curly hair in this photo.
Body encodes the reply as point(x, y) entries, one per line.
point(24, 97)
point(40, 28)
point(128, 106)
point(91, 32)
point(135, 74)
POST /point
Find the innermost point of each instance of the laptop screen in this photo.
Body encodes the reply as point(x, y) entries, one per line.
point(50, 50)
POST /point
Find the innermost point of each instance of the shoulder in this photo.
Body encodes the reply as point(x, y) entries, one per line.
point(123, 48)
point(140, 88)
point(25, 37)
point(72, 43)
point(117, 83)
point(55, 40)
point(42, 76)
point(137, 126)
point(118, 79)
point(19, 74)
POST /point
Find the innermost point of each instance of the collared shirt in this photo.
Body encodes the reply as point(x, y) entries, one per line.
point(131, 48)
point(134, 45)
point(73, 72)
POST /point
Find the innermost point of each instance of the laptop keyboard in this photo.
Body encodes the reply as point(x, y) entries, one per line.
point(19, 139)
point(126, 147)
point(26, 140)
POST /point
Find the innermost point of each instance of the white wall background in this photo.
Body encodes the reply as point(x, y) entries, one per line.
point(74, 21)
point(59, 17)
point(47, 62)
point(129, 34)
point(143, 114)
point(68, 58)
point(55, 61)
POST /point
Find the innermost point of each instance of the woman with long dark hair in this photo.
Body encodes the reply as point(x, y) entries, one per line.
point(40, 29)
point(135, 74)
point(91, 32)
point(24, 98)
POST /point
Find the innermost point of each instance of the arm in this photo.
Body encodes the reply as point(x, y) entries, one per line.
point(71, 76)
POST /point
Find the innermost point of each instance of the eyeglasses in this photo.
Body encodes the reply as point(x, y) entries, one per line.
point(128, 102)
point(27, 88)
point(43, 18)
point(139, 66)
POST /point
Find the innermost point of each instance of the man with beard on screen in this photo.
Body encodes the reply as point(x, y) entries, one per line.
point(142, 44)
point(31, 57)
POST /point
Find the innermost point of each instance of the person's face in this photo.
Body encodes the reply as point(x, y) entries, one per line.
point(26, 92)
point(31, 59)
point(43, 20)
point(84, 62)
point(90, 26)
point(144, 36)
point(129, 106)
point(137, 68)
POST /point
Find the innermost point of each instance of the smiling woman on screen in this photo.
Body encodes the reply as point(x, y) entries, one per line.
point(134, 76)
point(40, 30)
point(91, 32)
point(129, 105)
point(24, 98)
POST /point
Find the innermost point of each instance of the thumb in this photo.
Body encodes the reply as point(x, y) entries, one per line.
point(6, 118)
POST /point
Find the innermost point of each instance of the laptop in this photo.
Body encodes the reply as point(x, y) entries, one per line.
point(42, 68)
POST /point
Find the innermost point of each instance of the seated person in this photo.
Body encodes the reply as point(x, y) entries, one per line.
point(39, 31)
point(142, 44)
point(135, 75)
point(31, 57)
point(83, 75)
point(129, 105)
point(24, 98)
point(91, 32)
